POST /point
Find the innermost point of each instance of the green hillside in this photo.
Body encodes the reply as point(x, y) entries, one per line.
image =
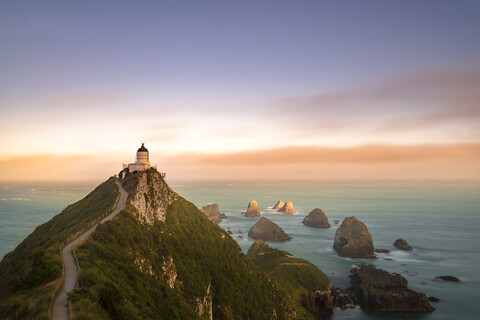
point(183, 268)
point(31, 273)
point(303, 281)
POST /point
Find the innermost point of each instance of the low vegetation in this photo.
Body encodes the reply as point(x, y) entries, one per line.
point(31, 273)
point(295, 275)
point(125, 272)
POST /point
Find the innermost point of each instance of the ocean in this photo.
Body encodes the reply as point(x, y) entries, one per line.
point(440, 220)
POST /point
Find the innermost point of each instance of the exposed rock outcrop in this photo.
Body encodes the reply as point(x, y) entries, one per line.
point(204, 306)
point(287, 208)
point(402, 244)
point(447, 278)
point(316, 218)
point(253, 210)
point(213, 213)
point(149, 195)
point(267, 230)
point(304, 281)
point(379, 291)
point(278, 205)
point(353, 240)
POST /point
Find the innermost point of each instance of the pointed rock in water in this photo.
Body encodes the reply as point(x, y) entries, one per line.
point(379, 291)
point(212, 213)
point(402, 245)
point(278, 205)
point(253, 210)
point(316, 218)
point(353, 240)
point(287, 208)
point(267, 230)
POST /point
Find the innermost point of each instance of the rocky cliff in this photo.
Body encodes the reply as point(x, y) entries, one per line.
point(165, 260)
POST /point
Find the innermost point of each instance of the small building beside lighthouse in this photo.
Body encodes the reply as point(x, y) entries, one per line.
point(142, 162)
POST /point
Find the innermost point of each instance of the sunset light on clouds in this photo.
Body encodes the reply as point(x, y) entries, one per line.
point(273, 90)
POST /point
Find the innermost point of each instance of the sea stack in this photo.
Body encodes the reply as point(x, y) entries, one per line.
point(317, 219)
point(253, 210)
point(287, 208)
point(278, 205)
point(402, 245)
point(353, 240)
point(379, 291)
point(267, 230)
point(213, 213)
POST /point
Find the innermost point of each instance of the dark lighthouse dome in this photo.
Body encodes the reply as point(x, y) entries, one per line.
point(142, 148)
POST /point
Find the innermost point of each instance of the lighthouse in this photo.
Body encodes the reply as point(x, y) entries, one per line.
point(142, 161)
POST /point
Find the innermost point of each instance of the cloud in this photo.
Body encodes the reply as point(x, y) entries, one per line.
point(443, 90)
point(458, 161)
point(50, 167)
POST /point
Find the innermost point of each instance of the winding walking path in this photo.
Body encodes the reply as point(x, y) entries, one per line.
point(60, 307)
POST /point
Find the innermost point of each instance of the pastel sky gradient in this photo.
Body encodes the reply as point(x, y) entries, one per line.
point(270, 90)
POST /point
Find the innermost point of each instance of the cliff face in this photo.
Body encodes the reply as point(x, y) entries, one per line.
point(149, 196)
point(159, 261)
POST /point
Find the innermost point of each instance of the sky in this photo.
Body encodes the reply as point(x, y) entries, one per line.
point(241, 90)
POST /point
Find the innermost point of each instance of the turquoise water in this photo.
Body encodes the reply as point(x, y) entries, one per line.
point(439, 219)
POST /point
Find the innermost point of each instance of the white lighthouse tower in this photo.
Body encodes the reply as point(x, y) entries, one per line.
point(142, 162)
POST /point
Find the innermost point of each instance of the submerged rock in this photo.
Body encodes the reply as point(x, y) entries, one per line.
point(353, 240)
point(379, 291)
point(212, 213)
point(253, 210)
point(382, 250)
point(316, 218)
point(278, 205)
point(267, 230)
point(447, 278)
point(287, 208)
point(402, 244)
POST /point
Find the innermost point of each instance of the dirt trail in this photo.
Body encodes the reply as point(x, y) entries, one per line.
point(60, 307)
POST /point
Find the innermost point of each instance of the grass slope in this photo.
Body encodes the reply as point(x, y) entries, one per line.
point(125, 271)
point(30, 274)
point(293, 274)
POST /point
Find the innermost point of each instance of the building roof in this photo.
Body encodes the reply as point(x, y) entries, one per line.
point(142, 149)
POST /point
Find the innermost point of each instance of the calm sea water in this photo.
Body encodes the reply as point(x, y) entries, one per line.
point(441, 220)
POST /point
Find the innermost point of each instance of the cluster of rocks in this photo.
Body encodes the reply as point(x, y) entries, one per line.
point(287, 207)
point(371, 288)
point(253, 210)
